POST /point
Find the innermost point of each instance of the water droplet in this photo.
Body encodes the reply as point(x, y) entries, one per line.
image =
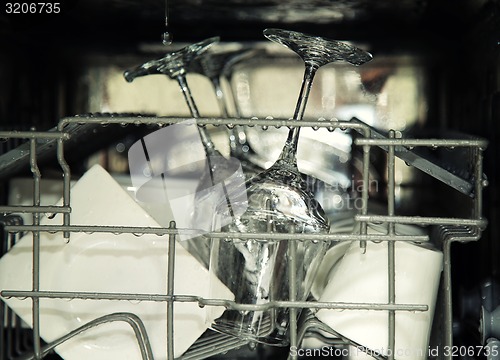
point(120, 147)
point(166, 38)
point(411, 147)
point(137, 234)
point(269, 118)
point(123, 124)
point(137, 122)
point(201, 306)
point(135, 301)
point(230, 126)
point(407, 163)
point(265, 127)
point(330, 129)
point(343, 128)
point(50, 215)
point(315, 128)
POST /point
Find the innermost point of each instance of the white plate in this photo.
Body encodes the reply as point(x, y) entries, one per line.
point(103, 262)
point(337, 251)
point(355, 277)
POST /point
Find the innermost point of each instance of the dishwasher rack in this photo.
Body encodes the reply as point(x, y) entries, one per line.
point(448, 230)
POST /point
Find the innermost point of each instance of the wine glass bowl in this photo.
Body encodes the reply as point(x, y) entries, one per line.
point(256, 270)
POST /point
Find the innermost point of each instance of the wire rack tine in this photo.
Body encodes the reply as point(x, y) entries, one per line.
point(133, 320)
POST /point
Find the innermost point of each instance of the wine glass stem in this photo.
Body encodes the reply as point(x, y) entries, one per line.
point(205, 137)
point(209, 146)
point(289, 152)
point(219, 94)
point(229, 79)
point(235, 145)
point(181, 79)
point(238, 133)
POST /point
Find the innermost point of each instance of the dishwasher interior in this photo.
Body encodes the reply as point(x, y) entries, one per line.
point(402, 153)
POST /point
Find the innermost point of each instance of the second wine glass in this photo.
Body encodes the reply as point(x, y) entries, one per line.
point(218, 66)
point(220, 174)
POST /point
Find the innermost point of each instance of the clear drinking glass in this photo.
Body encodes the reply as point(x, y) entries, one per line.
point(278, 200)
point(218, 66)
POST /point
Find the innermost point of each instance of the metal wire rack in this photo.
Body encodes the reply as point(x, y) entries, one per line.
point(450, 229)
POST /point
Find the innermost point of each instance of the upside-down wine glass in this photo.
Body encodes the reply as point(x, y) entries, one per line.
point(175, 65)
point(257, 271)
point(216, 66)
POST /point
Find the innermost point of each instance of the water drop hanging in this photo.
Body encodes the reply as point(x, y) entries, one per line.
point(166, 38)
